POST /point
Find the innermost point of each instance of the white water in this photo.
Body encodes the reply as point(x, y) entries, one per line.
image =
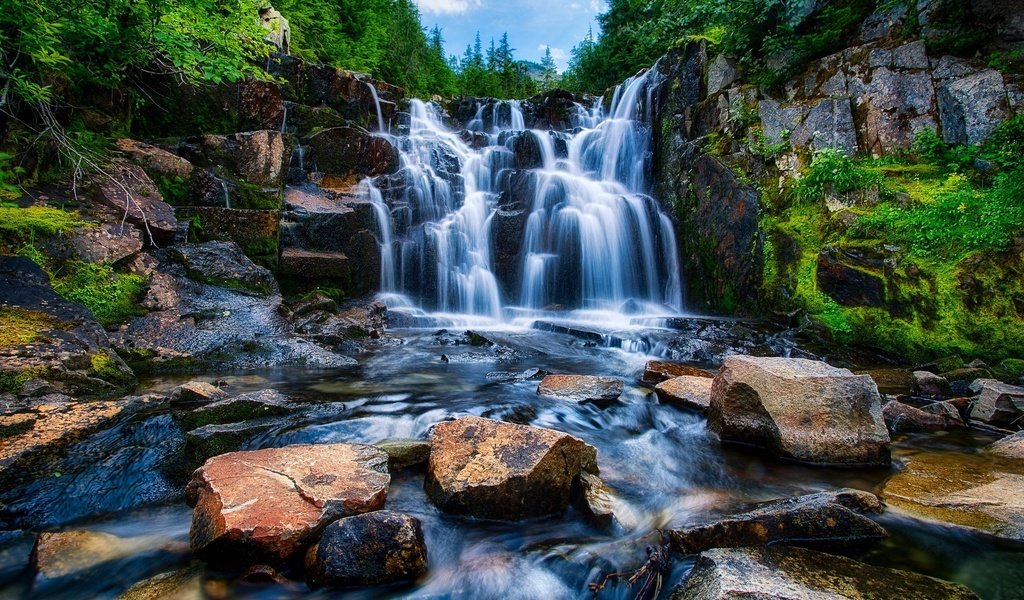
point(376, 104)
point(592, 242)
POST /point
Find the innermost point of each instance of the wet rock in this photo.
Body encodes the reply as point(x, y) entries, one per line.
point(822, 520)
point(127, 191)
point(511, 376)
point(314, 264)
point(403, 453)
point(903, 418)
point(224, 264)
point(351, 153)
point(847, 285)
point(690, 392)
point(215, 439)
point(656, 371)
point(722, 72)
point(497, 470)
point(786, 573)
point(45, 431)
point(255, 231)
point(266, 505)
point(369, 549)
point(184, 584)
point(997, 403)
point(980, 491)
point(601, 506)
point(258, 158)
point(930, 385)
point(106, 243)
point(353, 320)
point(581, 388)
point(1011, 446)
point(952, 410)
point(799, 409)
point(62, 557)
point(197, 392)
point(254, 405)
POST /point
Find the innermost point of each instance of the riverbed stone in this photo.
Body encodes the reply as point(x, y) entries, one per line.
point(997, 403)
point(824, 520)
point(601, 506)
point(405, 453)
point(1011, 446)
point(267, 505)
point(369, 549)
point(930, 385)
point(253, 405)
point(799, 409)
point(951, 410)
point(224, 264)
point(183, 584)
point(497, 470)
point(62, 557)
point(980, 491)
point(211, 440)
point(581, 388)
point(687, 391)
point(656, 371)
point(126, 190)
point(788, 573)
point(197, 392)
point(903, 418)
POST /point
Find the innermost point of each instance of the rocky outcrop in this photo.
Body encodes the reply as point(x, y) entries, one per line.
point(982, 492)
point(824, 520)
point(267, 505)
point(799, 409)
point(581, 388)
point(686, 391)
point(129, 192)
point(368, 549)
point(53, 339)
point(498, 470)
point(224, 264)
point(254, 405)
point(348, 154)
point(788, 573)
point(997, 403)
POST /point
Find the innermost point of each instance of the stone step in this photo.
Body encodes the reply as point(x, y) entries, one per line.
point(313, 264)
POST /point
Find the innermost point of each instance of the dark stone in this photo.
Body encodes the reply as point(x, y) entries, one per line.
point(224, 264)
point(903, 418)
point(368, 549)
point(351, 153)
point(822, 520)
point(254, 405)
point(848, 285)
point(127, 191)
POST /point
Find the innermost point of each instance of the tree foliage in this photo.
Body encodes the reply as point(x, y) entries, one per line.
point(493, 73)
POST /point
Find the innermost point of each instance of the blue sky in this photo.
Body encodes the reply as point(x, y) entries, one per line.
point(531, 24)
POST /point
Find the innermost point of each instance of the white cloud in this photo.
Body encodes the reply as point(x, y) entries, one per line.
point(447, 7)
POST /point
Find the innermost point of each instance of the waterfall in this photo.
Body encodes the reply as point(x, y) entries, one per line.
point(476, 236)
point(376, 104)
point(227, 195)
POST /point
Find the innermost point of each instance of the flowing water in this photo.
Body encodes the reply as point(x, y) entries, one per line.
point(594, 248)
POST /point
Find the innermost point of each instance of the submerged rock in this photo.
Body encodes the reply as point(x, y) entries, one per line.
point(581, 388)
point(369, 549)
point(799, 409)
point(497, 470)
point(197, 392)
point(403, 454)
point(254, 405)
point(786, 573)
point(903, 418)
point(822, 520)
point(997, 403)
point(980, 491)
point(183, 584)
point(656, 371)
point(266, 505)
point(687, 391)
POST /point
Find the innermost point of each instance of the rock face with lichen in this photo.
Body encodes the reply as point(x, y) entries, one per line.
point(799, 409)
point(268, 505)
point(498, 470)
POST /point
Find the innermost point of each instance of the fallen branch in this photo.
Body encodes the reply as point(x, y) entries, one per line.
point(652, 573)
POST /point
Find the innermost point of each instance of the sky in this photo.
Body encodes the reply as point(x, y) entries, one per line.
point(532, 25)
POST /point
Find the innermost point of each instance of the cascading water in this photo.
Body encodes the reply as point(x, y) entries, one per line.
point(584, 234)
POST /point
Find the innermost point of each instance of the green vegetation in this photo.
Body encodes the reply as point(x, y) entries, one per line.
point(496, 74)
point(938, 237)
point(21, 225)
point(112, 297)
point(22, 326)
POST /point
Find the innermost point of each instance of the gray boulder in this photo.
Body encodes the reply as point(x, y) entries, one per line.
point(997, 403)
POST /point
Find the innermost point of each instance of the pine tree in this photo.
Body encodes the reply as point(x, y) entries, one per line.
point(549, 74)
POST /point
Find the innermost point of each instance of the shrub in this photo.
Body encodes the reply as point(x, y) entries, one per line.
point(831, 171)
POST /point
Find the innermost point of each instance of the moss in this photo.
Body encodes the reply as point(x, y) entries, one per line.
point(105, 368)
point(112, 297)
point(175, 190)
point(20, 226)
point(11, 381)
point(253, 197)
point(19, 326)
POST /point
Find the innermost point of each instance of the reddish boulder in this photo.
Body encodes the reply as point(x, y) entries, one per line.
point(691, 392)
point(656, 371)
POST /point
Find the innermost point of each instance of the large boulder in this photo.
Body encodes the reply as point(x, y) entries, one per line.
point(786, 573)
point(350, 153)
point(980, 491)
point(267, 505)
point(581, 388)
point(903, 418)
point(656, 371)
point(368, 549)
point(997, 403)
point(799, 409)
point(126, 190)
point(225, 265)
point(823, 520)
point(498, 470)
point(1011, 446)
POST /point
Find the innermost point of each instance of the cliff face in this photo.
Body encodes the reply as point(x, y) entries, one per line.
point(730, 156)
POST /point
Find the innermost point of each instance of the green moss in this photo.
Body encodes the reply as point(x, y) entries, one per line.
point(21, 225)
point(175, 190)
point(19, 326)
point(112, 297)
point(11, 381)
point(105, 368)
point(253, 197)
